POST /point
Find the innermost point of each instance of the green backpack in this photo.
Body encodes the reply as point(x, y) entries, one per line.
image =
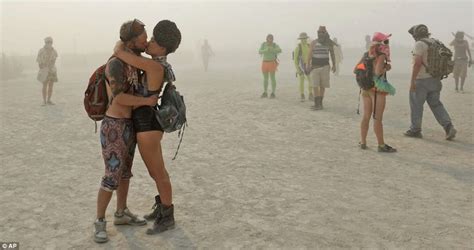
point(440, 63)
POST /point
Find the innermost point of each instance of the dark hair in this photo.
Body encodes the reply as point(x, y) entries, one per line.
point(419, 31)
point(459, 35)
point(167, 35)
point(131, 29)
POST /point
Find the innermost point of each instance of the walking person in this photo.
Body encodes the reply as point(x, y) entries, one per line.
point(47, 74)
point(300, 54)
point(374, 99)
point(269, 51)
point(206, 54)
point(461, 59)
point(321, 50)
point(424, 87)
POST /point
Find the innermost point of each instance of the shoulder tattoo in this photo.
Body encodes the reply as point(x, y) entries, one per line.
point(116, 77)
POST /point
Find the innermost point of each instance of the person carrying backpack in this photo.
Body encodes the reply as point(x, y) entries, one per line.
point(117, 134)
point(431, 63)
point(299, 58)
point(166, 39)
point(371, 77)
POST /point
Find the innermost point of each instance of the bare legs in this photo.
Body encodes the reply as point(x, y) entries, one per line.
point(47, 92)
point(149, 145)
point(378, 125)
point(103, 200)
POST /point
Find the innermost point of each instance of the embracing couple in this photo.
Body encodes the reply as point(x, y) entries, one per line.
point(134, 83)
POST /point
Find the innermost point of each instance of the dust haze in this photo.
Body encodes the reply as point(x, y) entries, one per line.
point(252, 173)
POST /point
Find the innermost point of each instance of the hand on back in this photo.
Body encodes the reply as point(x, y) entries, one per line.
point(151, 100)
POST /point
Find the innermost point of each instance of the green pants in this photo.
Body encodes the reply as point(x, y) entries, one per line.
point(301, 78)
point(265, 81)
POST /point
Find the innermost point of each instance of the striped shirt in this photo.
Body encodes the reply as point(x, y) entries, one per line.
point(320, 56)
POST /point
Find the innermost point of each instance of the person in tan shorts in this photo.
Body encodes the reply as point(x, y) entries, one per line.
point(321, 50)
point(461, 60)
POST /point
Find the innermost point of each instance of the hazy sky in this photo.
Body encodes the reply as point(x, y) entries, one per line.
point(93, 26)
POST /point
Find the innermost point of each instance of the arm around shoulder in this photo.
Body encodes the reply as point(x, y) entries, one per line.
point(137, 61)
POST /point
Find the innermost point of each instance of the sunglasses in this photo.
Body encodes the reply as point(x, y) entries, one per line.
point(131, 29)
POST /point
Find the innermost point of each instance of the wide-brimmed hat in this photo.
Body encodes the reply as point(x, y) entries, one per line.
point(322, 29)
point(303, 35)
point(380, 37)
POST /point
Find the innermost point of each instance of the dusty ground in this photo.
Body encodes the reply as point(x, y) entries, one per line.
point(251, 173)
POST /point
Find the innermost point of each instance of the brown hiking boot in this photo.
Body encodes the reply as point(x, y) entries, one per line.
point(317, 103)
point(163, 221)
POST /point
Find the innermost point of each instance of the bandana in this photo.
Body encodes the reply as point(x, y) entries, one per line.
point(382, 49)
point(169, 74)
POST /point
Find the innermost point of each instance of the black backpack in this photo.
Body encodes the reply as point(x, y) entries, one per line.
point(364, 72)
point(171, 113)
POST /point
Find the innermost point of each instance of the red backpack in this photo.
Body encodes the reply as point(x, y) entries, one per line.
point(96, 100)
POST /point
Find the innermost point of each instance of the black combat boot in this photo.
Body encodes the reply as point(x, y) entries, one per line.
point(156, 209)
point(164, 220)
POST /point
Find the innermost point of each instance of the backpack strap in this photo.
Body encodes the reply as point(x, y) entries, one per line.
point(180, 134)
point(300, 52)
point(424, 40)
point(375, 101)
point(358, 103)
